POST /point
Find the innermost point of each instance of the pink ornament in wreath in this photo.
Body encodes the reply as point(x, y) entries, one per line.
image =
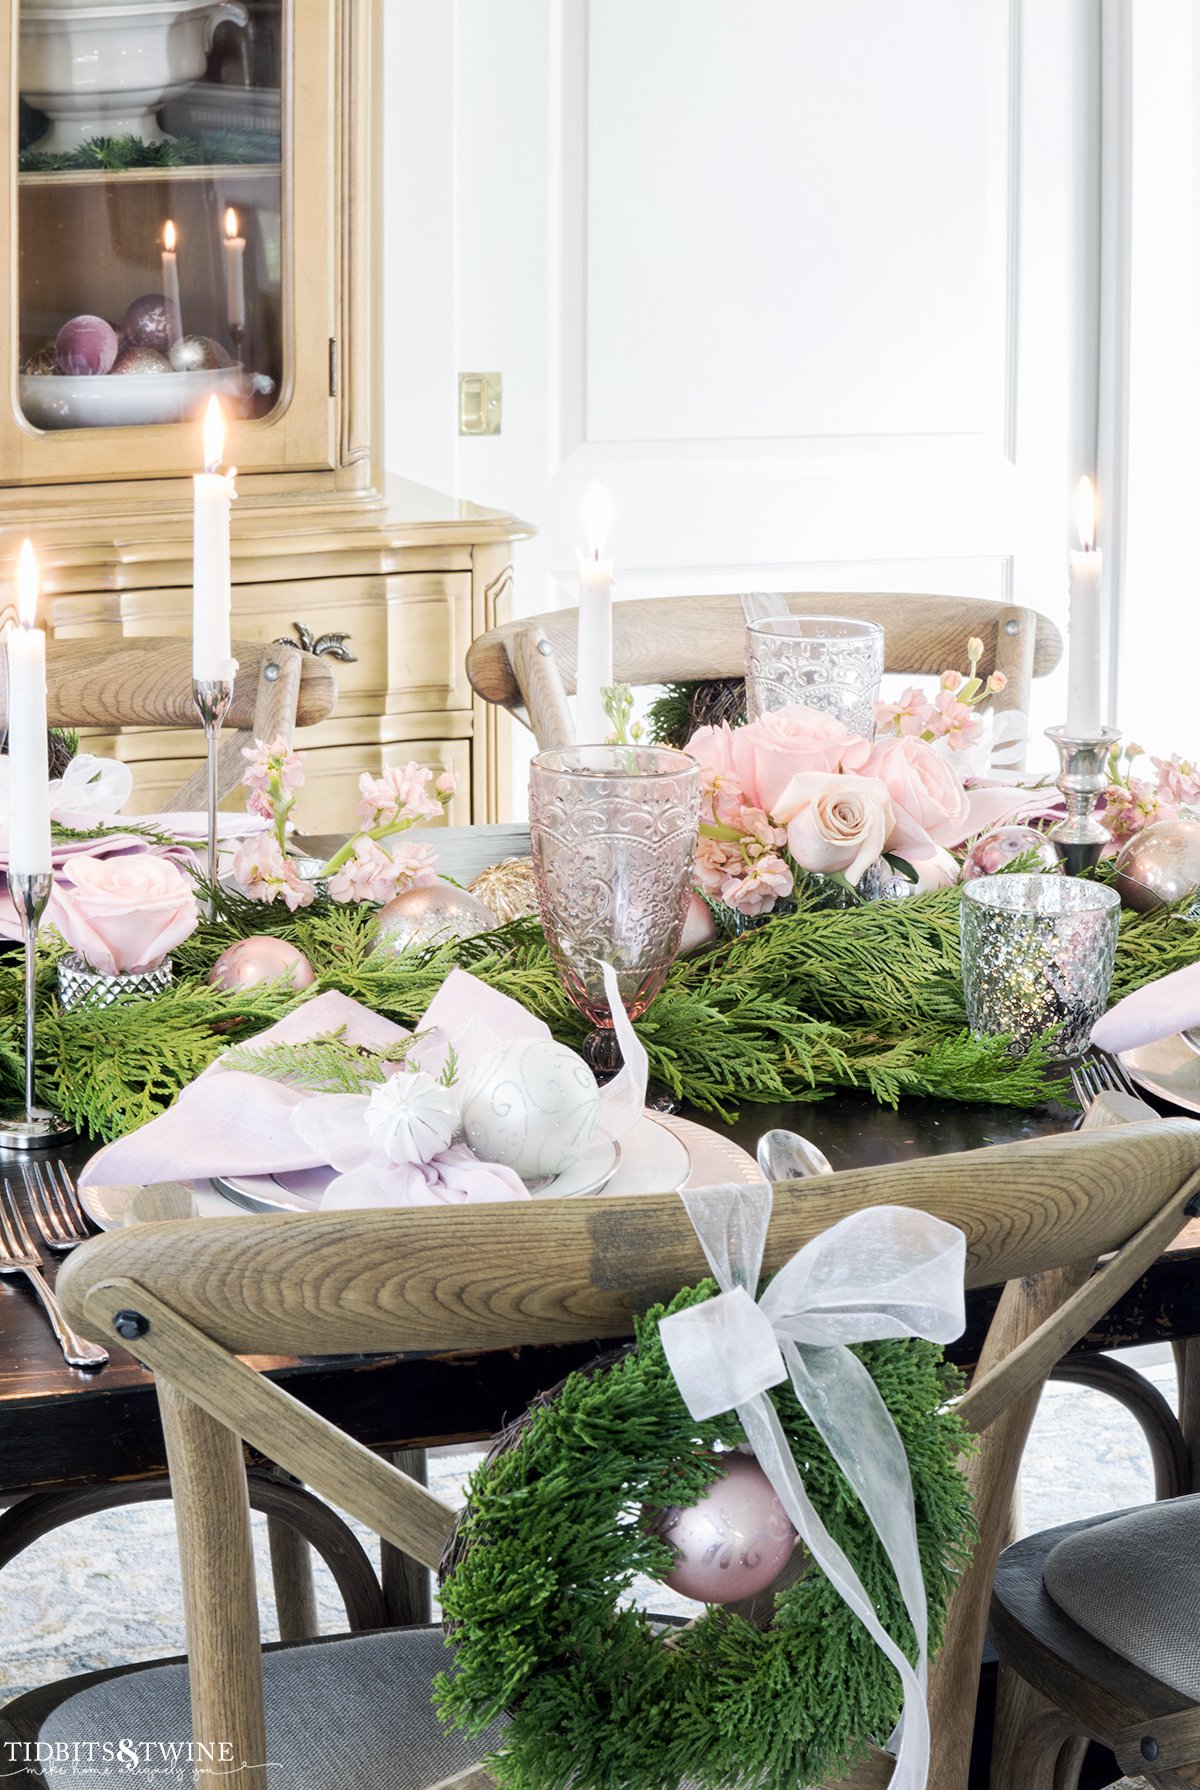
point(733, 1542)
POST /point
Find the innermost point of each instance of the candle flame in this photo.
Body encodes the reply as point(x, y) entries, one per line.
point(214, 434)
point(597, 518)
point(27, 585)
point(169, 236)
point(231, 223)
point(1085, 513)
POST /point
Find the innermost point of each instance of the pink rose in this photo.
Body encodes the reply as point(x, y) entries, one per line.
point(929, 801)
point(769, 752)
point(123, 914)
point(836, 823)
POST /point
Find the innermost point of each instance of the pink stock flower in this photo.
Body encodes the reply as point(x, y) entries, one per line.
point(769, 752)
point(263, 870)
point(370, 874)
point(721, 794)
point(952, 680)
point(400, 794)
point(929, 803)
point(765, 882)
point(836, 823)
point(716, 861)
point(446, 783)
point(911, 715)
point(954, 721)
point(1178, 779)
point(756, 826)
point(1129, 808)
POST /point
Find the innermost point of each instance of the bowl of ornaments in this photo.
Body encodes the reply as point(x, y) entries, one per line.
point(93, 375)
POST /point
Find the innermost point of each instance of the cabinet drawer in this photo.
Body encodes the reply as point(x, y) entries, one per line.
point(408, 632)
point(330, 794)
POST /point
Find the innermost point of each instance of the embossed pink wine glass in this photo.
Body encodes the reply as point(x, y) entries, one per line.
point(613, 831)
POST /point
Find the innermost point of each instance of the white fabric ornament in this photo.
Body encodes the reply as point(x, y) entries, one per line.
point(411, 1117)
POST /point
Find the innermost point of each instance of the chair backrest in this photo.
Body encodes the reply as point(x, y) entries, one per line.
point(147, 682)
point(1036, 1217)
point(682, 639)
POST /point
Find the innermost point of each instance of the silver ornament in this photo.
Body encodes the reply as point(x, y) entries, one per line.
point(430, 915)
point(1160, 865)
point(995, 851)
point(197, 354)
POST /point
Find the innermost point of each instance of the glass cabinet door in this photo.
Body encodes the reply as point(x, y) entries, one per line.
point(155, 245)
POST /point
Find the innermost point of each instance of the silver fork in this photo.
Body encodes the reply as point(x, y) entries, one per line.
point(18, 1256)
point(1098, 1073)
point(55, 1205)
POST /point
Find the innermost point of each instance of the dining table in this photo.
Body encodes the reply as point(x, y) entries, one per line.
point(64, 1429)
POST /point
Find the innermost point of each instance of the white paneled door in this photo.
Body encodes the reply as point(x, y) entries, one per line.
point(807, 287)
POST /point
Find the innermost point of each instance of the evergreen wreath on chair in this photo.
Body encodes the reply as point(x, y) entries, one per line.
point(536, 1576)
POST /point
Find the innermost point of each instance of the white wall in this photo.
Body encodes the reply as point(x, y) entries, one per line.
point(810, 288)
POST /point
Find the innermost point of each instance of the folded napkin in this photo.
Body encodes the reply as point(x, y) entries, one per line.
point(230, 1122)
point(1159, 1010)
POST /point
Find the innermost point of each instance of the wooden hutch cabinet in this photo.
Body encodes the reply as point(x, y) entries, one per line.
point(216, 231)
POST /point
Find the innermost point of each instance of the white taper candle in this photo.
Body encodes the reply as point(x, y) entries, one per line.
point(28, 773)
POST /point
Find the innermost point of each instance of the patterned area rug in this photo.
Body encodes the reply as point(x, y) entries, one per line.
point(106, 1589)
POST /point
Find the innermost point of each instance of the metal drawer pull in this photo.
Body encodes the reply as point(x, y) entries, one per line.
point(325, 646)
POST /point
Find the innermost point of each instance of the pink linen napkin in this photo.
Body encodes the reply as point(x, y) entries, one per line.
point(1159, 1010)
point(230, 1122)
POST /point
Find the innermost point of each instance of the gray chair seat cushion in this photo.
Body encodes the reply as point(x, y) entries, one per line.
point(1133, 1583)
point(352, 1713)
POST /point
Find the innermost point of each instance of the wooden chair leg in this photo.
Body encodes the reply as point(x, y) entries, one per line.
point(1187, 1368)
point(212, 1515)
point(407, 1587)
point(1031, 1738)
point(292, 1577)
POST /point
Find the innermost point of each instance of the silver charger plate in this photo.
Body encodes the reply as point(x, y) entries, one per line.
point(1169, 1069)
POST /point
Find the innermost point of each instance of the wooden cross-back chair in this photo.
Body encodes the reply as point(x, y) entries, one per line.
point(529, 666)
point(203, 1293)
point(146, 681)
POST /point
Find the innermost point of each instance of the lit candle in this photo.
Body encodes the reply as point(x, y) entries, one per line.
point(594, 655)
point(170, 274)
point(29, 773)
point(212, 658)
point(235, 275)
point(1083, 628)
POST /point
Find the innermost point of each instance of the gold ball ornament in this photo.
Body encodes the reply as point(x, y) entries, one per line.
point(430, 915)
point(508, 888)
point(1160, 865)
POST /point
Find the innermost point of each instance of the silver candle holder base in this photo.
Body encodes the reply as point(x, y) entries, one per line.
point(1080, 839)
point(30, 1127)
point(212, 697)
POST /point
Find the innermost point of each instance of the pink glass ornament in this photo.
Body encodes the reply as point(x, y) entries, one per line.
point(260, 959)
point(699, 927)
point(734, 1542)
point(991, 853)
point(152, 321)
point(86, 345)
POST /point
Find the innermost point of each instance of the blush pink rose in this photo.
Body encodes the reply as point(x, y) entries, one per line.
point(769, 752)
point(836, 823)
point(928, 798)
point(123, 914)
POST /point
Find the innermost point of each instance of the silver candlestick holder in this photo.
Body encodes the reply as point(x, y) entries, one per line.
point(212, 697)
point(30, 1127)
point(1083, 779)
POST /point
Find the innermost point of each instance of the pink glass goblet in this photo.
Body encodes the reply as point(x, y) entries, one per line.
point(613, 832)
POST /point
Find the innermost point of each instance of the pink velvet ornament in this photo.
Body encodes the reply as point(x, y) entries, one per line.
point(734, 1542)
point(152, 321)
point(86, 345)
point(261, 959)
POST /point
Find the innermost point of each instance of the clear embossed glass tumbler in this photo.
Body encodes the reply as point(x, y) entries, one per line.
point(823, 660)
point(613, 831)
point(1037, 956)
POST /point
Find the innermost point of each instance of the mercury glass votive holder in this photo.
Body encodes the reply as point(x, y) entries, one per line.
point(1037, 958)
point(826, 661)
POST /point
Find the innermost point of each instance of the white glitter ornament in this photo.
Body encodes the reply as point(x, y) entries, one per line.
point(532, 1105)
point(430, 914)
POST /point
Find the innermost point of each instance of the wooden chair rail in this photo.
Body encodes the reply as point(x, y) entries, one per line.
point(560, 1270)
point(668, 639)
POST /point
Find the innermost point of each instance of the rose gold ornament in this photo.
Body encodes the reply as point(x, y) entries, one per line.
point(1160, 865)
point(262, 958)
point(508, 889)
point(735, 1541)
point(993, 851)
point(430, 914)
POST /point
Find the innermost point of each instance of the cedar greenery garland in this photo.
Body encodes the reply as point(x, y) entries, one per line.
point(550, 1543)
point(817, 1001)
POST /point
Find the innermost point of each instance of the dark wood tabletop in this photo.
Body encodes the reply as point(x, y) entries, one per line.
point(60, 1426)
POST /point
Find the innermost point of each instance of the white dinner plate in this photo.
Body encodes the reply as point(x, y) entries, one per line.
point(661, 1154)
point(1169, 1069)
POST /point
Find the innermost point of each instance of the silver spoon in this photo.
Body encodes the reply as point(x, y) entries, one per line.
point(786, 1156)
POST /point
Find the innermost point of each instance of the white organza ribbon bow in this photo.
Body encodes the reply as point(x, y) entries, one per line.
point(886, 1271)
